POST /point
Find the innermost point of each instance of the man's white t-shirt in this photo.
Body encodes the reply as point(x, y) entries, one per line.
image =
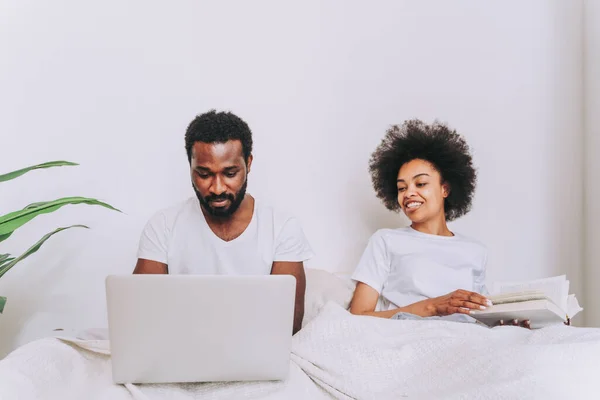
point(180, 237)
point(406, 266)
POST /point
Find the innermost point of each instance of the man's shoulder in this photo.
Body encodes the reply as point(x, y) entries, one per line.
point(285, 232)
point(168, 215)
point(277, 216)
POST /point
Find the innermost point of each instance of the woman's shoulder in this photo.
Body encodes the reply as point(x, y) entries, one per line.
point(386, 234)
point(466, 237)
point(408, 234)
point(394, 239)
point(476, 243)
point(474, 247)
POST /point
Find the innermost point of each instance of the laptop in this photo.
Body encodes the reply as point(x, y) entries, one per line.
point(200, 328)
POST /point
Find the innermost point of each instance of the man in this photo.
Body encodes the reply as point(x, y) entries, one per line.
point(223, 230)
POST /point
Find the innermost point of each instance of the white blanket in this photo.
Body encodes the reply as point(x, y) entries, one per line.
point(343, 356)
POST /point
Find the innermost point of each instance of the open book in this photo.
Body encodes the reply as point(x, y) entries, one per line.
point(543, 302)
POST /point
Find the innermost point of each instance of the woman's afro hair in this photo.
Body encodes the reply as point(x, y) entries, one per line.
point(445, 149)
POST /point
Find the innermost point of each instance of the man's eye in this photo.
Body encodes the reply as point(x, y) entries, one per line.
point(202, 175)
point(231, 174)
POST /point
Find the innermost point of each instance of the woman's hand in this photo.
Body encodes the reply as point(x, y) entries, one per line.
point(515, 322)
point(524, 323)
point(459, 301)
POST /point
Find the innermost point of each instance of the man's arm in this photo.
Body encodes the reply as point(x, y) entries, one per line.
point(295, 269)
point(144, 266)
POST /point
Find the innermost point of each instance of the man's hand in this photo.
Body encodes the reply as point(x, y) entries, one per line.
point(295, 269)
point(459, 301)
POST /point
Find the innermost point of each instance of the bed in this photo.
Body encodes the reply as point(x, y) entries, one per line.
point(341, 356)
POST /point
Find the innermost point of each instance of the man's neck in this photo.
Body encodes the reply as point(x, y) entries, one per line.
point(230, 227)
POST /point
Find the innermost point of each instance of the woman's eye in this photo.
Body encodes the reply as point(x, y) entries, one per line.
point(401, 189)
point(421, 184)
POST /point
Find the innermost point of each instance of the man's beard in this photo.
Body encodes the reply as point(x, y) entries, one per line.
point(234, 201)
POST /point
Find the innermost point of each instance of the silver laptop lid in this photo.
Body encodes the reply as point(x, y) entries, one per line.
point(200, 328)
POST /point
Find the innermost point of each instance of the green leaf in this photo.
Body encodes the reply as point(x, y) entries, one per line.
point(6, 261)
point(34, 248)
point(2, 303)
point(35, 205)
point(3, 257)
point(12, 221)
point(16, 174)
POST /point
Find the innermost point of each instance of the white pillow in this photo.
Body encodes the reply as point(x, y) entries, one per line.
point(323, 286)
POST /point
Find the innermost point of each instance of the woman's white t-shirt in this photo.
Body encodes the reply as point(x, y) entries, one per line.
point(181, 238)
point(406, 266)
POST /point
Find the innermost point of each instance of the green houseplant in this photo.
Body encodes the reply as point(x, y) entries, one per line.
point(14, 220)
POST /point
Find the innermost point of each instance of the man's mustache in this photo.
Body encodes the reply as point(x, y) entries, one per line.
point(220, 197)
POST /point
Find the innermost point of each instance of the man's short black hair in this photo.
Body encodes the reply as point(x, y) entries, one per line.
point(445, 149)
point(218, 127)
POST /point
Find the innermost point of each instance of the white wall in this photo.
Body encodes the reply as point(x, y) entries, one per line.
point(113, 85)
point(592, 158)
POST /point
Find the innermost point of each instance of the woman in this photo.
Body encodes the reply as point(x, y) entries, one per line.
point(423, 270)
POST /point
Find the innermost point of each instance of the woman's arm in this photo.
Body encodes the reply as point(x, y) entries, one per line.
point(365, 299)
point(460, 301)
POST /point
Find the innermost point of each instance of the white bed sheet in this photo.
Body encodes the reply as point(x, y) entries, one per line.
point(338, 355)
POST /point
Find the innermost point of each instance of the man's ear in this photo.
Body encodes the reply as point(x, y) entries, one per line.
point(249, 163)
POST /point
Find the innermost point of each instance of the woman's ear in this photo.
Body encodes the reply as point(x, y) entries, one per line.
point(445, 190)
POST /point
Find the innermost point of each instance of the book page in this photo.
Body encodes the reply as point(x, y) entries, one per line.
point(556, 288)
point(573, 307)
